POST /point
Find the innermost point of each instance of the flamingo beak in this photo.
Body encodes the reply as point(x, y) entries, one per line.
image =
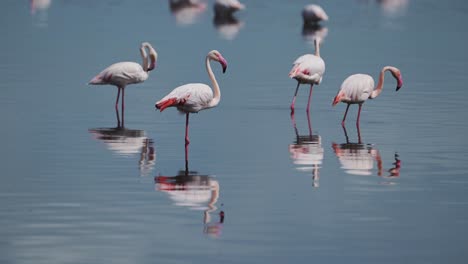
point(399, 84)
point(223, 64)
point(336, 100)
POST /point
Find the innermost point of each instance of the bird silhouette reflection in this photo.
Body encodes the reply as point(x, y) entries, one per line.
point(38, 9)
point(307, 151)
point(128, 142)
point(186, 12)
point(197, 192)
point(227, 25)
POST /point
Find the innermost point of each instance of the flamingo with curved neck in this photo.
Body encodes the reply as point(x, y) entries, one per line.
point(194, 97)
point(122, 74)
point(357, 88)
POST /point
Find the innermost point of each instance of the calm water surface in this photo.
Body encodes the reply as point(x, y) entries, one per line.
point(76, 189)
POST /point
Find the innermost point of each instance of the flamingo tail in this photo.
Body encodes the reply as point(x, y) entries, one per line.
point(166, 103)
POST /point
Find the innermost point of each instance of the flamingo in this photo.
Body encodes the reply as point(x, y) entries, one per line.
point(357, 88)
point(312, 14)
point(123, 73)
point(194, 97)
point(308, 69)
point(227, 7)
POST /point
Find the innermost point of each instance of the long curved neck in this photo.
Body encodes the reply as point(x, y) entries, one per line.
point(379, 87)
point(216, 91)
point(145, 58)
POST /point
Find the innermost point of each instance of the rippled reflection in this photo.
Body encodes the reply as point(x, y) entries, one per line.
point(186, 12)
point(357, 158)
point(38, 9)
point(307, 151)
point(393, 8)
point(128, 142)
point(227, 25)
point(197, 192)
point(312, 32)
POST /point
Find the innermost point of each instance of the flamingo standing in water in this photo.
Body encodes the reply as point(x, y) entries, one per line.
point(227, 7)
point(308, 69)
point(194, 97)
point(357, 88)
point(312, 14)
point(123, 73)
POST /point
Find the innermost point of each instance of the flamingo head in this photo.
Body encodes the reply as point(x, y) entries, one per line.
point(397, 75)
point(153, 55)
point(216, 56)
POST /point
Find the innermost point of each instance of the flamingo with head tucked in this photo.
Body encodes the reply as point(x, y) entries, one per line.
point(122, 74)
point(312, 14)
point(194, 97)
point(357, 88)
point(308, 69)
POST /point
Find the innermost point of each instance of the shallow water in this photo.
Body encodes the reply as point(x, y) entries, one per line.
point(76, 189)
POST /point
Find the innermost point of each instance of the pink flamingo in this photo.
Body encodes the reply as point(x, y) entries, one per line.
point(194, 97)
point(308, 69)
point(312, 14)
point(357, 88)
point(123, 73)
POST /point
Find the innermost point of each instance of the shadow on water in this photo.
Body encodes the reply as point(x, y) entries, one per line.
point(186, 12)
point(197, 192)
point(358, 158)
point(128, 142)
point(307, 151)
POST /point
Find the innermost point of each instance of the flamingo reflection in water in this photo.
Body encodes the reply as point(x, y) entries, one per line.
point(307, 151)
point(358, 158)
point(197, 192)
point(227, 25)
point(128, 142)
point(186, 12)
point(39, 8)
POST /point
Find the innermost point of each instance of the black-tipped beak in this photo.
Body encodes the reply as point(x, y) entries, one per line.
point(224, 68)
point(398, 88)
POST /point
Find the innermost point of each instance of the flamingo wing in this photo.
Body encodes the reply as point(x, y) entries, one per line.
point(308, 67)
point(191, 97)
point(121, 74)
point(357, 88)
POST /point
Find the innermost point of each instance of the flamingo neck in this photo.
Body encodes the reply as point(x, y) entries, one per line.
point(379, 87)
point(145, 58)
point(317, 47)
point(216, 92)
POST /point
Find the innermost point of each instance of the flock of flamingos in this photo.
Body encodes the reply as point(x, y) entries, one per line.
point(194, 97)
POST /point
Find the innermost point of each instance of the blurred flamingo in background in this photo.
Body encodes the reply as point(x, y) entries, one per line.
point(227, 7)
point(186, 12)
point(357, 88)
point(312, 14)
point(308, 69)
point(194, 97)
point(122, 74)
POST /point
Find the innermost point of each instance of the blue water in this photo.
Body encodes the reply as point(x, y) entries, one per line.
point(76, 189)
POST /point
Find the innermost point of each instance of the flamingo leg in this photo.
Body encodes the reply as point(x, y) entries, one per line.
point(310, 96)
point(187, 142)
point(123, 105)
point(358, 115)
point(294, 99)
point(310, 124)
point(344, 117)
point(117, 108)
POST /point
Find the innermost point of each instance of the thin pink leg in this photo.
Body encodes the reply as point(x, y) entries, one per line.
point(358, 115)
point(344, 117)
point(310, 124)
point(359, 134)
point(117, 108)
point(310, 96)
point(123, 106)
point(294, 99)
point(187, 142)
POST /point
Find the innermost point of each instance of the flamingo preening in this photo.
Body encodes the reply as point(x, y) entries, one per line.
point(122, 74)
point(357, 88)
point(308, 69)
point(194, 97)
point(312, 14)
